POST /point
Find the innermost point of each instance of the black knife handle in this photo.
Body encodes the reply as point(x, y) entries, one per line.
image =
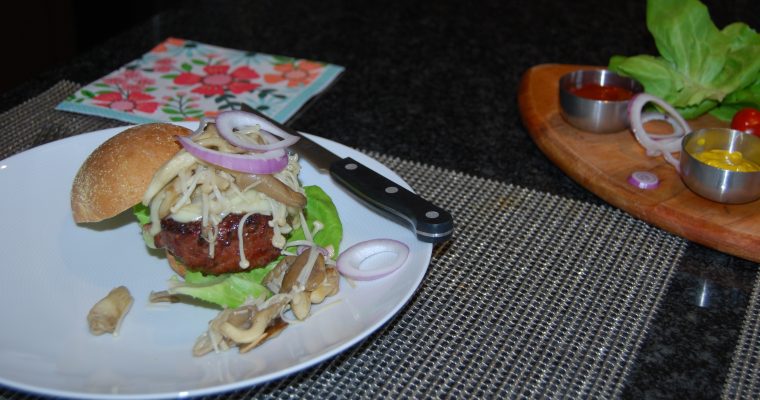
point(431, 223)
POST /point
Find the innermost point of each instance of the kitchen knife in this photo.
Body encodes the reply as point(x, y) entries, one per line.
point(430, 223)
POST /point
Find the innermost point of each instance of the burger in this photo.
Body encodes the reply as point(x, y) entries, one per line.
point(224, 202)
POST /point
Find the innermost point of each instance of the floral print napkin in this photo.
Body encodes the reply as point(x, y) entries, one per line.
point(183, 80)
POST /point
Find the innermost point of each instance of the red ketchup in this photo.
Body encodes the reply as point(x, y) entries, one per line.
point(595, 91)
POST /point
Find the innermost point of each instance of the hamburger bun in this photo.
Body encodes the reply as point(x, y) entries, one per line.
point(177, 266)
point(115, 176)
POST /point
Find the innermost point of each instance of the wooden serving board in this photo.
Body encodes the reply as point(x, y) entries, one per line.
point(602, 163)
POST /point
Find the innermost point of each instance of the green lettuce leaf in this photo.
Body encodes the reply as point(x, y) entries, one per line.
point(142, 213)
point(232, 290)
point(699, 67)
point(320, 207)
point(228, 290)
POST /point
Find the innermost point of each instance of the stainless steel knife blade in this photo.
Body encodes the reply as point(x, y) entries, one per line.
point(430, 223)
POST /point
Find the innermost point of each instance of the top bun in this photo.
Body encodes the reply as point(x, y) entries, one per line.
point(115, 176)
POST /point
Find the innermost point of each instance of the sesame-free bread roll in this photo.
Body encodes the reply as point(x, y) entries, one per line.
point(117, 173)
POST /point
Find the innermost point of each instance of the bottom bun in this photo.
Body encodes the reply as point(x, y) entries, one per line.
point(176, 265)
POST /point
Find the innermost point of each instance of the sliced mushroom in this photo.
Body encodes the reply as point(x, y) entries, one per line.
point(167, 202)
point(290, 279)
point(274, 329)
point(166, 173)
point(259, 322)
point(316, 276)
point(106, 315)
point(301, 305)
point(272, 187)
point(329, 286)
point(317, 273)
point(211, 339)
point(163, 297)
point(273, 279)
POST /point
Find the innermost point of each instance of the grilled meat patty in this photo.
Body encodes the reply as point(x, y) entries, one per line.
point(184, 241)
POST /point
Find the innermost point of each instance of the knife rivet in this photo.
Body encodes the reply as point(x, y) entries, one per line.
point(391, 190)
point(351, 166)
point(432, 214)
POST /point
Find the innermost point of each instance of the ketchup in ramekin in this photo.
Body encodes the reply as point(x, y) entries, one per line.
point(595, 91)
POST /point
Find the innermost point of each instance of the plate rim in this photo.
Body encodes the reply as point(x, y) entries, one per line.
point(283, 373)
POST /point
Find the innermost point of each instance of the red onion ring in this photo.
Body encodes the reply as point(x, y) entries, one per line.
point(660, 144)
point(350, 259)
point(269, 162)
point(656, 116)
point(644, 180)
point(227, 121)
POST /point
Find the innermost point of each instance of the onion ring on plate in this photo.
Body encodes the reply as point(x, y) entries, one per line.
point(657, 144)
point(269, 162)
point(350, 259)
point(227, 121)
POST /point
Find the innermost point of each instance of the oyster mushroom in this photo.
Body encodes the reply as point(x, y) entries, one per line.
point(273, 279)
point(290, 277)
point(301, 305)
point(245, 327)
point(296, 277)
point(272, 187)
point(106, 315)
point(259, 321)
point(274, 329)
point(329, 286)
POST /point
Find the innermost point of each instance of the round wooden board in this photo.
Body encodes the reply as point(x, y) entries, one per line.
point(602, 163)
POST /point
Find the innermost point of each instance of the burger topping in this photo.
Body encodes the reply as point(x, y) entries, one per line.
point(252, 163)
point(227, 123)
point(190, 189)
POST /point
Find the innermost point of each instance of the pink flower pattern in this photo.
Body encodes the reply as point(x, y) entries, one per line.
point(217, 80)
point(182, 80)
point(132, 102)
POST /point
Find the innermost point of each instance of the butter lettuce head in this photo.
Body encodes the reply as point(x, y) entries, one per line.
point(232, 290)
point(700, 68)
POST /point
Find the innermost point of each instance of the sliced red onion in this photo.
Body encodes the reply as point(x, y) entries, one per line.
point(659, 144)
point(227, 121)
point(268, 136)
point(350, 260)
point(269, 162)
point(644, 180)
point(656, 116)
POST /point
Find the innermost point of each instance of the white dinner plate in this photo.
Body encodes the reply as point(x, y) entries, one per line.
point(54, 270)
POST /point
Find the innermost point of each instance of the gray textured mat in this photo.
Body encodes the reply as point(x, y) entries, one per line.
point(35, 121)
point(743, 381)
point(535, 296)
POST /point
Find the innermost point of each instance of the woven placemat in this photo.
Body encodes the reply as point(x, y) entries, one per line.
point(743, 381)
point(536, 295)
point(35, 121)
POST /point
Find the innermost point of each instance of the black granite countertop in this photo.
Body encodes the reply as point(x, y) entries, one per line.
point(437, 81)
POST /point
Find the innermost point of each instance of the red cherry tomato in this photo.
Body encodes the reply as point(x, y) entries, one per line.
point(747, 120)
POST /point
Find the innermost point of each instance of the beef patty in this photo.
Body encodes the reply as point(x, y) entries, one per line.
point(184, 241)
